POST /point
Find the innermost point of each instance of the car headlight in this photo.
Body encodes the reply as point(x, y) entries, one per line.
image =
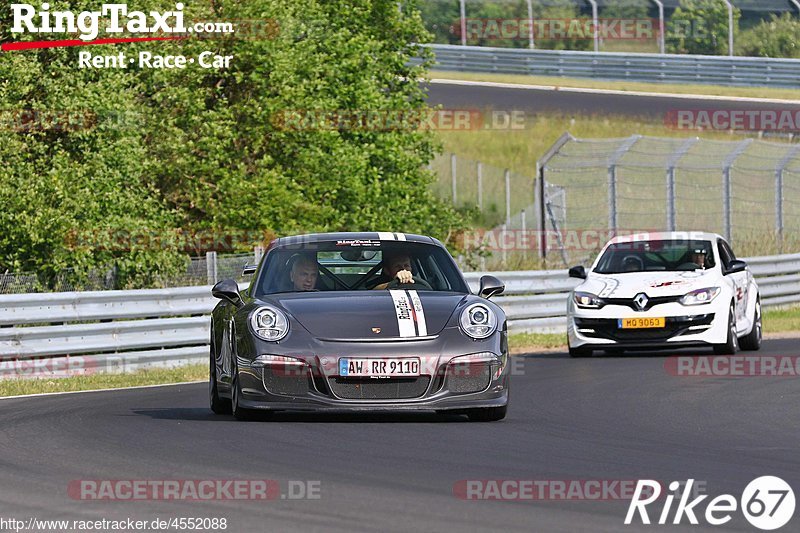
point(587, 300)
point(700, 296)
point(269, 323)
point(478, 321)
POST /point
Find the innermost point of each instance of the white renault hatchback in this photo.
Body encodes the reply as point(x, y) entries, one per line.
point(662, 291)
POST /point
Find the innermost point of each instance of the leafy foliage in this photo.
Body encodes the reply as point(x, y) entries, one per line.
point(205, 149)
point(701, 27)
point(777, 37)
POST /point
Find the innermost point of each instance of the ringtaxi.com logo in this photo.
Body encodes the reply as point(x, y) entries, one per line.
point(767, 503)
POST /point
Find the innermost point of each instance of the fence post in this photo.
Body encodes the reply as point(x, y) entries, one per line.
point(531, 41)
point(726, 202)
point(454, 178)
point(612, 198)
point(258, 253)
point(462, 8)
point(507, 176)
point(779, 208)
point(480, 186)
point(671, 199)
point(211, 267)
point(524, 227)
point(542, 221)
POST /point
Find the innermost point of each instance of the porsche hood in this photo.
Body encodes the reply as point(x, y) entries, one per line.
point(372, 315)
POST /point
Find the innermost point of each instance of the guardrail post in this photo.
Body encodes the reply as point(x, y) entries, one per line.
point(454, 178)
point(211, 267)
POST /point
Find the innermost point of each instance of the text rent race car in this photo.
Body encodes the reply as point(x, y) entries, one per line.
point(327, 325)
point(664, 290)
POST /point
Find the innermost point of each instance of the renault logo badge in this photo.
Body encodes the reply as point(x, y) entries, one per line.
point(641, 301)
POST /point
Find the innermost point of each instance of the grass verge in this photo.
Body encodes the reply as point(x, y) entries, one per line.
point(152, 376)
point(709, 90)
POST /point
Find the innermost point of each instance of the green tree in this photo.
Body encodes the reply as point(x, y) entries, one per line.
point(701, 27)
point(777, 37)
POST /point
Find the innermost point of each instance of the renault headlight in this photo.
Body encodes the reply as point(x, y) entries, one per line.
point(700, 296)
point(478, 321)
point(587, 300)
point(269, 323)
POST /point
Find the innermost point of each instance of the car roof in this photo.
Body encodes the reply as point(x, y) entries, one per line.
point(382, 236)
point(667, 236)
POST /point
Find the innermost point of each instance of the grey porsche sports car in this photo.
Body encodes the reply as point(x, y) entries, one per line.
point(354, 322)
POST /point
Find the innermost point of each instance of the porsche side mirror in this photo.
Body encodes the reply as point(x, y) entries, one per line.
point(736, 266)
point(228, 290)
point(577, 272)
point(490, 286)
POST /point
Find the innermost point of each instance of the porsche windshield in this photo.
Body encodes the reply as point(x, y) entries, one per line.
point(358, 265)
point(656, 256)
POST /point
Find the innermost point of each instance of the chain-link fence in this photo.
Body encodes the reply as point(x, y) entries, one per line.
point(205, 270)
point(746, 190)
point(639, 26)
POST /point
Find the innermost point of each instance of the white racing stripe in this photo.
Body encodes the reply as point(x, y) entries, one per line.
point(389, 236)
point(422, 326)
point(404, 314)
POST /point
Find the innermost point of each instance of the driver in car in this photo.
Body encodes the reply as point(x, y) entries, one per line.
point(395, 266)
point(698, 257)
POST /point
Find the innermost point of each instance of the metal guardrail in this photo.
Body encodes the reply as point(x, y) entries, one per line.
point(111, 331)
point(656, 68)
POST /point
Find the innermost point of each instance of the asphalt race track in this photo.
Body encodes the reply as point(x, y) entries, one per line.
point(609, 418)
point(578, 103)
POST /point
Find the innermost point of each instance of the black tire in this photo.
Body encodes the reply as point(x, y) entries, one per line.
point(579, 353)
point(219, 405)
point(487, 414)
point(752, 341)
point(239, 413)
point(731, 345)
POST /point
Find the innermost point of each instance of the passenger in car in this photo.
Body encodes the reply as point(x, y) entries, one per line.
point(304, 274)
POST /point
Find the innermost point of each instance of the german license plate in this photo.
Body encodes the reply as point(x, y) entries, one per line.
point(642, 323)
point(384, 368)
